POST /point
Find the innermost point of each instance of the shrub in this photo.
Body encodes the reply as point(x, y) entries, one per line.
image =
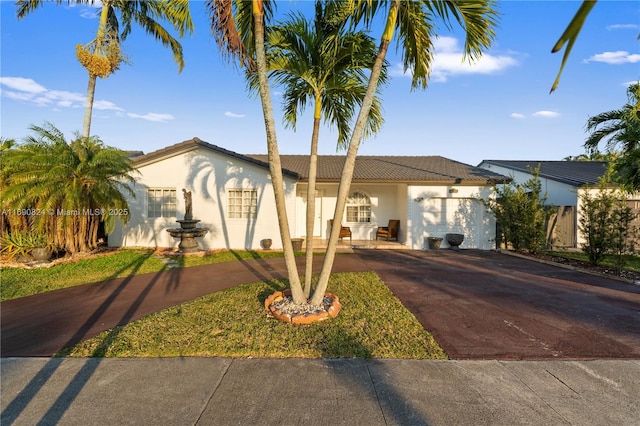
point(605, 222)
point(20, 244)
point(521, 214)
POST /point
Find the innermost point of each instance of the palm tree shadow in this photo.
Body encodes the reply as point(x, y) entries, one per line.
point(357, 372)
point(273, 283)
point(13, 410)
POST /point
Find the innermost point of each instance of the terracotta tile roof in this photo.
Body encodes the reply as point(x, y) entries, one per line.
point(409, 169)
point(576, 173)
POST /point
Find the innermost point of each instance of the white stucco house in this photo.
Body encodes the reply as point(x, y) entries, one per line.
point(233, 197)
point(564, 182)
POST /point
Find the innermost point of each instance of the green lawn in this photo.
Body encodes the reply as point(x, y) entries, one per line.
point(20, 282)
point(373, 323)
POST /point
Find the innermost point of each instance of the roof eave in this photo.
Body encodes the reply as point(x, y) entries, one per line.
point(193, 144)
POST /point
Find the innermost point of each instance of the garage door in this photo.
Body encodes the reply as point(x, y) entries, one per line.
point(456, 215)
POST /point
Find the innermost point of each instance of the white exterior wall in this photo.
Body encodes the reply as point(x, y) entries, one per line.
point(208, 175)
point(435, 211)
point(558, 193)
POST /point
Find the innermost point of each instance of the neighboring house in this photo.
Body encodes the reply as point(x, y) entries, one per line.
point(233, 197)
point(564, 182)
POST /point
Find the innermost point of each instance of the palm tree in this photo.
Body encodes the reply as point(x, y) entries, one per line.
point(102, 56)
point(69, 187)
point(323, 64)
point(619, 129)
point(414, 22)
point(239, 29)
point(5, 145)
point(233, 31)
point(592, 155)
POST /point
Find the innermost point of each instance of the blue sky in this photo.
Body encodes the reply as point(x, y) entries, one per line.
point(498, 108)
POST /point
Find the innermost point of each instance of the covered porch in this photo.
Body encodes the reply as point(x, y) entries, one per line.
point(346, 245)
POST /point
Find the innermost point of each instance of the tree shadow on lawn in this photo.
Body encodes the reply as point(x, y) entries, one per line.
point(53, 415)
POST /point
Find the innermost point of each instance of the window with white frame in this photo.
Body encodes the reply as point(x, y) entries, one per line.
point(161, 202)
point(358, 207)
point(243, 203)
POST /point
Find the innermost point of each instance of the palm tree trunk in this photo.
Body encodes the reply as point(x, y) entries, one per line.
point(88, 108)
point(350, 161)
point(91, 87)
point(275, 166)
point(311, 196)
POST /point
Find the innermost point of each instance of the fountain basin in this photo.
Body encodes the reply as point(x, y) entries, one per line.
point(188, 243)
point(188, 223)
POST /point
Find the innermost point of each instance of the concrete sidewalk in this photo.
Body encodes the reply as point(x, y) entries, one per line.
point(224, 391)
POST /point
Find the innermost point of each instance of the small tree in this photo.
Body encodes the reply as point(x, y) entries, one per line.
point(622, 233)
point(521, 214)
point(595, 223)
point(605, 222)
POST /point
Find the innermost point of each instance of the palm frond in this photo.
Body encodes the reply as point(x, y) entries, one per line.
point(570, 35)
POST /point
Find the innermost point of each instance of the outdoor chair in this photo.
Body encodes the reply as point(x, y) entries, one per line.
point(345, 231)
point(390, 231)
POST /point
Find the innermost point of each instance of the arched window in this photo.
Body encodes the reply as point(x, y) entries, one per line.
point(358, 207)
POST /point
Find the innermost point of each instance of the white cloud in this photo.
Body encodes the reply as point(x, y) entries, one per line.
point(17, 96)
point(517, 115)
point(152, 116)
point(546, 114)
point(106, 105)
point(89, 13)
point(615, 58)
point(233, 115)
point(27, 90)
point(622, 27)
point(448, 61)
point(629, 83)
point(22, 84)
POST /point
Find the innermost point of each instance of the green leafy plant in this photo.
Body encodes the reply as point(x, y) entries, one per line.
point(521, 214)
point(20, 244)
point(606, 223)
point(622, 234)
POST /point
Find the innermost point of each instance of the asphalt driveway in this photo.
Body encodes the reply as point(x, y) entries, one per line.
point(489, 305)
point(477, 304)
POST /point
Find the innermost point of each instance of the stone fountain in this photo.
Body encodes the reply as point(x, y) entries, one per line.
point(188, 231)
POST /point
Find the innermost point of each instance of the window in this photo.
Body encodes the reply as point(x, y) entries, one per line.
point(358, 208)
point(161, 203)
point(243, 203)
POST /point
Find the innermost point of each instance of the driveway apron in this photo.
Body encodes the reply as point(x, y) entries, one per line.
point(477, 304)
point(43, 324)
point(489, 305)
